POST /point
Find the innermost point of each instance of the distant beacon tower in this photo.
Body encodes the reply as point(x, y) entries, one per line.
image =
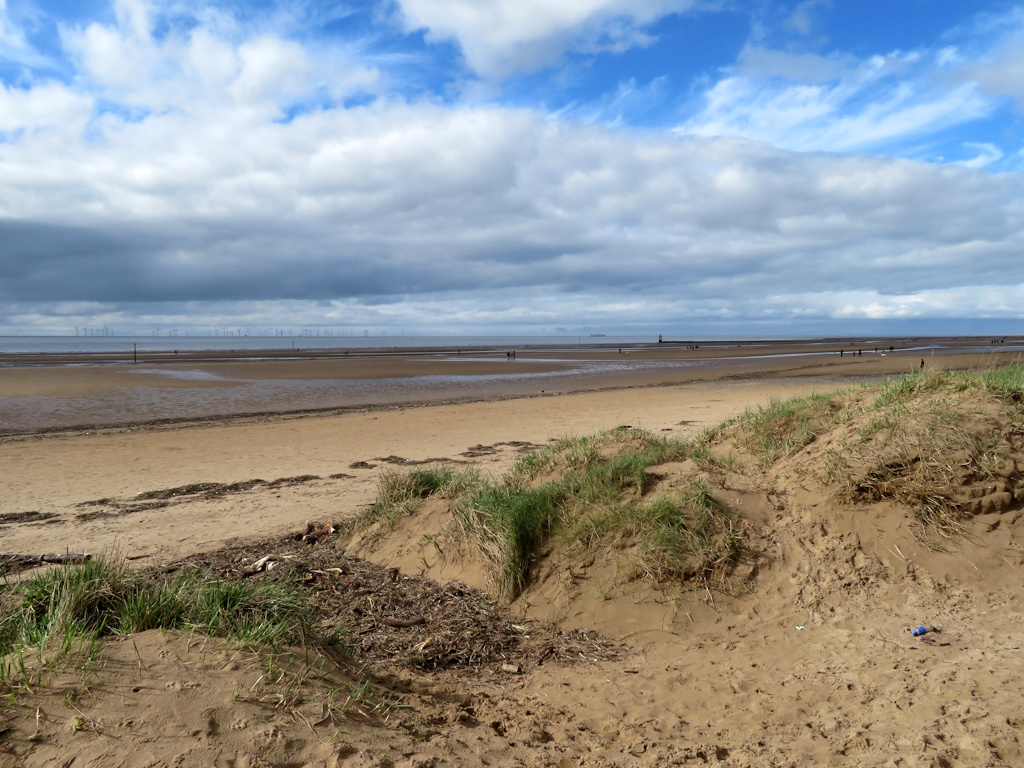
point(659, 338)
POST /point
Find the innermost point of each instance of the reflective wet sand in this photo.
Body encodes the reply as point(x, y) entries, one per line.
point(90, 392)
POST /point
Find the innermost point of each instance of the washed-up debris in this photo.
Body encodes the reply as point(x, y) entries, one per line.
point(315, 533)
point(395, 619)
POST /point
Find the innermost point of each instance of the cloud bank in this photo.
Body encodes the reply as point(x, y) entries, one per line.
point(196, 169)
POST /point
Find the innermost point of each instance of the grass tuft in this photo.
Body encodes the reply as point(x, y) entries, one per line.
point(508, 523)
point(589, 492)
point(67, 611)
point(398, 493)
point(783, 427)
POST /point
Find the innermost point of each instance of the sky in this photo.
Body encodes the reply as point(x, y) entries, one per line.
point(687, 167)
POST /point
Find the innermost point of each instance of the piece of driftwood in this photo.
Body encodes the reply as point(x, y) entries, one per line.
point(259, 565)
point(265, 563)
point(70, 557)
point(77, 557)
point(314, 534)
point(404, 622)
point(15, 563)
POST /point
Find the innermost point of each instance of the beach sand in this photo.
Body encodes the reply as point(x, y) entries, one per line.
point(814, 666)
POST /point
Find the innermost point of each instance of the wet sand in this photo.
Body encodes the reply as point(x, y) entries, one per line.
point(60, 391)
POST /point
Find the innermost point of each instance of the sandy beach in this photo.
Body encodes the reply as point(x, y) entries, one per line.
point(813, 665)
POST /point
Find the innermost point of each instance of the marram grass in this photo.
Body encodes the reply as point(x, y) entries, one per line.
point(83, 602)
point(582, 493)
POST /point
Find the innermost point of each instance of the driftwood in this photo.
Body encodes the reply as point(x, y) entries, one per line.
point(313, 534)
point(14, 563)
point(65, 558)
point(265, 563)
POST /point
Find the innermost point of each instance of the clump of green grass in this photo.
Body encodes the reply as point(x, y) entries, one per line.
point(398, 493)
point(782, 427)
point(686, 536)
point(904, 388)
point(589, 492)
point(577, 454)
point(1007, 381)
point(923, 440)
point(66, 609)
point(508, 523)
point(105, 597)
point(921, 453)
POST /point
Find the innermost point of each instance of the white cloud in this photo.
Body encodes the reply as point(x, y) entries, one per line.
point(986, 154)
point(206, 67)
point(846, 107)
point(484, 210)
point(500, 37)
point(618, 107)
point(1003, 74)
point(47, 106)
point(272, 70)
point(14, 47)
point(9, 36)
point(759, 63)
point(802, 18)
point(228, 178)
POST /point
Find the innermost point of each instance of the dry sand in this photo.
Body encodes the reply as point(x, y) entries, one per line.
point(814, 667)
point(57, 473)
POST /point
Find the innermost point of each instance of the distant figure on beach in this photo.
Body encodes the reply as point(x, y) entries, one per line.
point(922, 363)
point(840, 353)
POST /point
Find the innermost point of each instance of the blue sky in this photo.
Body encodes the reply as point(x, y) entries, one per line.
point(513, 166)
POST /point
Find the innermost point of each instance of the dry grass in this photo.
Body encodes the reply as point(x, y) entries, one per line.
point(920, 440)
